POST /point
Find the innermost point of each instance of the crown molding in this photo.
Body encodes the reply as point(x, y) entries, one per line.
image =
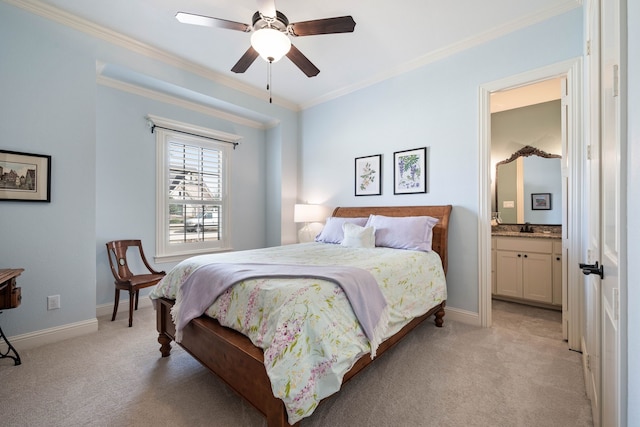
point(88, 27)
point(173, 100)
point(449, 50)
point(72, 21)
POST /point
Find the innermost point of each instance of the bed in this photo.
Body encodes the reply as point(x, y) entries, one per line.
point(235, 359)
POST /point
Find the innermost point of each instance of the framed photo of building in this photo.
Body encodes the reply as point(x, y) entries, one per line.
point(25, 177)
point(541, 201)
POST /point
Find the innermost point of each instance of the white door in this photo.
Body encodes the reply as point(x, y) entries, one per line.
point(605, 221)
point(590, 344)
point(612, 164)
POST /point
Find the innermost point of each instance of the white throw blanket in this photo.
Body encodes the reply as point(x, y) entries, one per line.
point(208, 282)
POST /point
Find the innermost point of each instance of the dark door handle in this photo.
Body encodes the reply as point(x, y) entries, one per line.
point(592, 269)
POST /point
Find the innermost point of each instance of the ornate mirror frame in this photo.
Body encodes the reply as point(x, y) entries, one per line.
point(525, 151)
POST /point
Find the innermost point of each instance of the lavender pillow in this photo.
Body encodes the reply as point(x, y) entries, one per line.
point(408, 232)
point(356, 236)
point(332, 231)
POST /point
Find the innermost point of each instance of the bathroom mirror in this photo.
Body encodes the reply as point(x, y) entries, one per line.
point(519, 182)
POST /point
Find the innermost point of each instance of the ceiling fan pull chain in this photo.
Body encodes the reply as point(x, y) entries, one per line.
point(269, 81)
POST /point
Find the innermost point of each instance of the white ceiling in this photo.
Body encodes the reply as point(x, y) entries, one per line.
point(389, 37)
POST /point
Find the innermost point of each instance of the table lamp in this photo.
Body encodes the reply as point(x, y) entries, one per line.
point(308, 214)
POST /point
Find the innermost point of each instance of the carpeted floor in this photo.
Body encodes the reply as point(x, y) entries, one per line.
point(517, 373)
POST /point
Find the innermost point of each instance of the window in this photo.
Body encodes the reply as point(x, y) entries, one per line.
point(192, 186)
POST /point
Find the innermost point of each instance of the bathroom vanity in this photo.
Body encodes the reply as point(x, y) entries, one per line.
point(527, 266)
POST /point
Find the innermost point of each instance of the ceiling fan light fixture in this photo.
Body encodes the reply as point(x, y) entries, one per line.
point(270, 44)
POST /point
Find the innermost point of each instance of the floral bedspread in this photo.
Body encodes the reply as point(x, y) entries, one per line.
point(306, 327)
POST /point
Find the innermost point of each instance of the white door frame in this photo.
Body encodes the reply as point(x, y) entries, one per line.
point(572, 70)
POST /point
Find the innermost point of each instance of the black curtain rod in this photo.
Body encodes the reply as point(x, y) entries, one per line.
point(235, 144)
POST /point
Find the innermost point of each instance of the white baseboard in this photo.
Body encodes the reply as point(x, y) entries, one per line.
point(462, 316)
point(47, 336)
point(123, 307)
point(72, 330)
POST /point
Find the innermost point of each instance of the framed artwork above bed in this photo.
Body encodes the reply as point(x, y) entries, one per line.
point(368, 175)
point(410, 171)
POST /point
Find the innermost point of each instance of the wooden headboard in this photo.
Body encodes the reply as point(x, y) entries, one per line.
point(440, 231)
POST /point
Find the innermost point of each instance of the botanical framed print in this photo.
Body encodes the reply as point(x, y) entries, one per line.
point(368, 175)
point(25, 177)
point(541, 201)
point(410, 171)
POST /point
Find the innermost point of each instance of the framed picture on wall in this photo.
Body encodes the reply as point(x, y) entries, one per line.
point(410, 171)
point(25, 177)
point(541, 201)
point(368, 175)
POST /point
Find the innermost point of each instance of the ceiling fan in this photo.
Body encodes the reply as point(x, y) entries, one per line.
point(271, 30)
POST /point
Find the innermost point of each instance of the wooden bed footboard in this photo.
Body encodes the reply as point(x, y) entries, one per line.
point(234, 359)
point(228, 354)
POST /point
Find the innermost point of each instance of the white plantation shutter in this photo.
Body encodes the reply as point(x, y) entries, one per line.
point(193, 194)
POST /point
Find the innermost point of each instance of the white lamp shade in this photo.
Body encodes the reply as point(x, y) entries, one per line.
point(271, 44)
point(308, 213)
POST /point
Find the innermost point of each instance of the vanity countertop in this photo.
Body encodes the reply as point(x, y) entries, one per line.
point(540, 231)
point(535, 235)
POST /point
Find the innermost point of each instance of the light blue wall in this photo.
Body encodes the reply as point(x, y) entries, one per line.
point(543, 176)
point(103, 164)
point(434, 106)
point(47, 106)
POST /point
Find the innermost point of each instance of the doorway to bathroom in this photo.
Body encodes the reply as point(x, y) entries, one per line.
point(553, 88)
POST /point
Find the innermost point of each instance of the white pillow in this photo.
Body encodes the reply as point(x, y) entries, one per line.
point(356, 236)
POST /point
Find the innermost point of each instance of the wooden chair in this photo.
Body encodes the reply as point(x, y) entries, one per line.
point(125, 279)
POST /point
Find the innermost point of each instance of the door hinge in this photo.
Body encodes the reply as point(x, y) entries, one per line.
point(588, 47)
point(616, 80)
point(588, 361)
point(588, 152)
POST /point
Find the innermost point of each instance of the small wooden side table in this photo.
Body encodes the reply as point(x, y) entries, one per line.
point(10, 297)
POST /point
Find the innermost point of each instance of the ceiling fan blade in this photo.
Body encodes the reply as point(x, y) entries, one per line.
point(245, 61)
point(207, 21)
point(302, 62)
point(341, 24)
point(267, 8)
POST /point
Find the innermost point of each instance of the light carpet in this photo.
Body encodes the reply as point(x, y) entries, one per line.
point(517, 373)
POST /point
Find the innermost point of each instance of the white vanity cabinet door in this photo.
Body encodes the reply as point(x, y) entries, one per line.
point(536, 277)
point(509, 274)
point(493, 265)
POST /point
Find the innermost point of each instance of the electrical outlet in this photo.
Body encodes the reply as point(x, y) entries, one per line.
point(53, 302)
